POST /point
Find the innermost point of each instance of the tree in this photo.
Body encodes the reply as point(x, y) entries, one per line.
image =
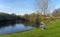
point(42, 6)
point(56, 13)
point(26, 16)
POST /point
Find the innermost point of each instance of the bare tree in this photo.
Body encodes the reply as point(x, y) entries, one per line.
point(42, 6)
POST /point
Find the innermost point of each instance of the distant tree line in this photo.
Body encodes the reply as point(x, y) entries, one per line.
point(32, 17)
point(27, 17)
point(56, 13)
point(9, 17)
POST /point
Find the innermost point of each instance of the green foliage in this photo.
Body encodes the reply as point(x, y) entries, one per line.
point(31, 17)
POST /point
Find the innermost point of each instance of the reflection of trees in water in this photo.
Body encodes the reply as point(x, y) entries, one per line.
point(13, 23)
point(10, 23)
point(31, 24)
point(7, 23)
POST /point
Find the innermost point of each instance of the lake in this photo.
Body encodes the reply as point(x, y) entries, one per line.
point(13, 27)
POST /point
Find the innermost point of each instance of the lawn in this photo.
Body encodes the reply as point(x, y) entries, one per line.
point(53, 30)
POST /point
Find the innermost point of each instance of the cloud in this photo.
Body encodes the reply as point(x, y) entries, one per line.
point(16, 6)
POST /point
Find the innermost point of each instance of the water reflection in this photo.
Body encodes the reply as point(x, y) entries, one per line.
point(12, 27)
point(3, 24)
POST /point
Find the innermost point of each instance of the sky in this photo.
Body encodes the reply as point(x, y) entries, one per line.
point(21, 7)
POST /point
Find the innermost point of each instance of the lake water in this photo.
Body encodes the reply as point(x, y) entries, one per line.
point(8, 27)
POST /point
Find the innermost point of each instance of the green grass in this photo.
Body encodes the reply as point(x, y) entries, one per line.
point(53, 30)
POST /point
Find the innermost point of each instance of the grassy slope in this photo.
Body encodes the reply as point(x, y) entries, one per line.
point(53, 30)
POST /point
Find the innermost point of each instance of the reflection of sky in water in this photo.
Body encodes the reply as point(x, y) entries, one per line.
point(16, 28)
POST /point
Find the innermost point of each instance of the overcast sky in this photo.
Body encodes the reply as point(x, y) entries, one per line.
point(23, 6)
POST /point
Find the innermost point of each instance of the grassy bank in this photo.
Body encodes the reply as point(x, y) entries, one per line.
point(53, 30)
